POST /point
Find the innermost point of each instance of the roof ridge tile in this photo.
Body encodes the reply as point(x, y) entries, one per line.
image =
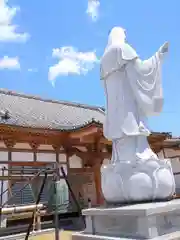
point(68, 103)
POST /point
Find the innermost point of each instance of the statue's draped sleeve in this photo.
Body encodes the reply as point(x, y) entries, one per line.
point(115, 58)
point(145, 80)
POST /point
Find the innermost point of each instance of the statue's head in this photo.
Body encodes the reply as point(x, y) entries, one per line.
point(117, 35)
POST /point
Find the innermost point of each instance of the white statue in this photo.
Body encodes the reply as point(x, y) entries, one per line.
point(133, 92)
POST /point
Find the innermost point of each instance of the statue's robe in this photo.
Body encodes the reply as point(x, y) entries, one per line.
point(133, 91)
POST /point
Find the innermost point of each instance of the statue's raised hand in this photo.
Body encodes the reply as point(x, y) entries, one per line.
point(164, 48)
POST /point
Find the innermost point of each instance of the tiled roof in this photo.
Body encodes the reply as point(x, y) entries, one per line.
point(30, 111)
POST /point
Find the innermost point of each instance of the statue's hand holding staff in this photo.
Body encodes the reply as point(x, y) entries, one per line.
point(164, 48)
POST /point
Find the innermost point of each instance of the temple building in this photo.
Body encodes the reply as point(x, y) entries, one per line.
point(36, 132)
point(170, 149)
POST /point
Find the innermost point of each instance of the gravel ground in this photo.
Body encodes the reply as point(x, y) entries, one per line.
point(63, 235)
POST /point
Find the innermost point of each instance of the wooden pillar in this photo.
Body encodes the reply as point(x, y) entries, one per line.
point(56, 148)
point(97, 178)
point(34, 146)
point(97, 169)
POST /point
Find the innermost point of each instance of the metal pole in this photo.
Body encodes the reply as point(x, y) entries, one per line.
point(56, 207)
point(2, 189)
point(37, 202)
point(2, 185)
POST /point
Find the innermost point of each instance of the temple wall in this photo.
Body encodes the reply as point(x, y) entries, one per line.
point(46, 157)
point(169, 153)
point(62, 158)
point(161, 155)
point(75, 162)
point(106, 161)
point(174, 156)
point(22, 146)
point(22, 156)
point(2, 144)
point(45, 147)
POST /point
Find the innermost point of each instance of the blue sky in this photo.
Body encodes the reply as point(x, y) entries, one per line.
point(54, 49)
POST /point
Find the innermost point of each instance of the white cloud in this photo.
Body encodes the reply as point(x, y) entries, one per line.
point(93, 9)
point(8, 31)
point(71, 62)
point(32, 70)
point(9, 63)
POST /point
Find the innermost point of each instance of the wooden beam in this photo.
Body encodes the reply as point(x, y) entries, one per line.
point(19, 163)
point(91, 139)
point(39, 131)
point(93, 155)
point(106, 141)
point(54, 136)
point(89, 131)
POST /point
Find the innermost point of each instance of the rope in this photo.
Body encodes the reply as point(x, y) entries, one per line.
point(37, 202)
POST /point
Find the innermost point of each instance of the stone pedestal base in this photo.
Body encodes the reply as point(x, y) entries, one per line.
point(140, 221)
